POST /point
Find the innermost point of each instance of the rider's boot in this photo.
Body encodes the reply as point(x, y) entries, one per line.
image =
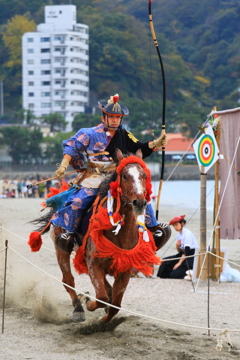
point(66, 242)
point(161, 234)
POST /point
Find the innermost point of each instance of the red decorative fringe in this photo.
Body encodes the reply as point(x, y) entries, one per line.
point(141, 257)
point(35, 241)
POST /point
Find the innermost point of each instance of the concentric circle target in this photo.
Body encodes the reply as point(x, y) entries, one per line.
point(206, 150)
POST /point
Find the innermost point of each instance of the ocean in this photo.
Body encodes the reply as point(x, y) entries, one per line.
point(185, 193)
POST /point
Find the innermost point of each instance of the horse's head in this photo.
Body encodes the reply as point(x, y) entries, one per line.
point(134, 181)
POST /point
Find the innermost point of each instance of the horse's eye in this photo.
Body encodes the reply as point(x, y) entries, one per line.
point(124, 177)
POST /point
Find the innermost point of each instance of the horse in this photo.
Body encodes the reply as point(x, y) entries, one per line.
point(114, 252)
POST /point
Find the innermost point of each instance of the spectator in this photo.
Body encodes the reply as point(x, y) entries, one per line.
point(41, 188)
point(186, 244)
point(20, 188)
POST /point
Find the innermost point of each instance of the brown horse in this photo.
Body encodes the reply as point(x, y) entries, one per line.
point(130, 192)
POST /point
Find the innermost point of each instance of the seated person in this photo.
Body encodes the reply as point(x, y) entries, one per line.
point(186, 244)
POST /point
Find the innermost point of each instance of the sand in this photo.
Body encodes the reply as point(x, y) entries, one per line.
point(38, 325)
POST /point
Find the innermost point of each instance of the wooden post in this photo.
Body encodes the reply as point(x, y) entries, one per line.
point(4, 286)
point(216, 206)
point(203, 223)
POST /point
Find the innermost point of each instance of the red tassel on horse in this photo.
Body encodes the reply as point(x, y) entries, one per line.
point(35, 241)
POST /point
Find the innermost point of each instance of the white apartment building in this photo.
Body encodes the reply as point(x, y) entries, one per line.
point(56, 65)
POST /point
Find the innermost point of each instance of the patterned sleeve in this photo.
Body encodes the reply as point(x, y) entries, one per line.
point(75, 147)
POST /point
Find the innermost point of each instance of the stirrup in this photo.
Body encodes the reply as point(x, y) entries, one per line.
point(65, 242)
point(161, 234)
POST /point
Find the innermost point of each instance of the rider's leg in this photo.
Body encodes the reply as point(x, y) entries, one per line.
point(69, 217)
point(161, 231)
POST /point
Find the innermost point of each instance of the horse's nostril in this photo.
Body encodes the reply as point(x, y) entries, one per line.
point(139, 203)
point(135, 202)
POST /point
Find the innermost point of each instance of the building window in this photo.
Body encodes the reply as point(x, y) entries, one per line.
point(45, 61)
point(30, 51)
point(57, 38)
point(45, 94)
point(58, 103)
point(30, 62)
point(45, 50)
point(30, 39)
point(58, 82)
point(58, 59)
point(44, 83)
point(30, 83)
point(45, 72)
point(31, 106)
point(44, 105)
point(57, 49)
point(31, 94)
point(31, 72)
point(45, 39)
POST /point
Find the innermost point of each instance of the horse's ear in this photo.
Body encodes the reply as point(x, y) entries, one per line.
point(119, 155)
point(139, 153)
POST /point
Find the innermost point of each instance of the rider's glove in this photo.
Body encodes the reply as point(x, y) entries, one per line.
point(161, 141)
point(62, 168)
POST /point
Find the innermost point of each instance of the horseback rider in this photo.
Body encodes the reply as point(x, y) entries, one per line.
point(99, 143)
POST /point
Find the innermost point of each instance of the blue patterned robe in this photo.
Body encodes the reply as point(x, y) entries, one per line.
point(90, 140)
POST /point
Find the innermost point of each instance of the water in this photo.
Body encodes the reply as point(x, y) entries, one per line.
point(184, 193)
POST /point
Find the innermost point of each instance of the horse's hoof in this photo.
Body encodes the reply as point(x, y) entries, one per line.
point(83, 298)
point(106, 309)
point(78, 316)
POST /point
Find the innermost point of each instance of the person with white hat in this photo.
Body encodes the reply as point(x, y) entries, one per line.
point(186, 243)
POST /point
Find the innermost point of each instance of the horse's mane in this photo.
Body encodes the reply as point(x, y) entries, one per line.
point(104, 186)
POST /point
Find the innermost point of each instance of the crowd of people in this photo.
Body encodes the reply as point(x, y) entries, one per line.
point(20, 188)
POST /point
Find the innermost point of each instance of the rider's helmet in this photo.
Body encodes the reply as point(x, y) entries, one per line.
point(112, 107)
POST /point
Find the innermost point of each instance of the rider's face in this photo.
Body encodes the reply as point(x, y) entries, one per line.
point(111, 121)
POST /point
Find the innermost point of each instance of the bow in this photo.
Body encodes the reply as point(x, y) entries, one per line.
point(164, 102)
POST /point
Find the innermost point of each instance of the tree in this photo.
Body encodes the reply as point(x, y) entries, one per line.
point(11, 69)
point(56, 122)
point(23, 143)
point(54, 151)
point(12, 38)
point(84, 120)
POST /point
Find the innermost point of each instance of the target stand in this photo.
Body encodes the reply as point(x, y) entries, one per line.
point(206, 150)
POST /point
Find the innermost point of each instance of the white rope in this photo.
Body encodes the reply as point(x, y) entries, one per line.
point(20, 237)
point(220, 257)
point(3, 249)
point(188, 148)
point(122, 309)
point(214, 226)
point(220, 341)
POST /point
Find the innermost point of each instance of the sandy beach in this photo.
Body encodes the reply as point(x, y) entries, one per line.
point(38, 325)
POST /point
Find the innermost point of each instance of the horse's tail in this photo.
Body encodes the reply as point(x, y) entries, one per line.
point(35, 239)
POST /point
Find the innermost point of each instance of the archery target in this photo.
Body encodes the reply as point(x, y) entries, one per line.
point(206, 150)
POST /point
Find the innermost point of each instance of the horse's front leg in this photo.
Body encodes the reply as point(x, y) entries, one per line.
point(67, 277)
point(118, 290)
point(97, 276)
